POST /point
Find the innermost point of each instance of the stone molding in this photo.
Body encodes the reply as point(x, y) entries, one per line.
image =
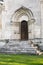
point(23, 11)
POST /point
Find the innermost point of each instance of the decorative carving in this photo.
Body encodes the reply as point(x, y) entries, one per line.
point(23, 11)
point(2, 7)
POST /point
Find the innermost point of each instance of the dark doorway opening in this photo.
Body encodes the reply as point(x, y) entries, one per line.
point(24, 30)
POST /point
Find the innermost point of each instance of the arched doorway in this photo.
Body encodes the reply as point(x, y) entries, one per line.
point(17, 18)
point(24, 30)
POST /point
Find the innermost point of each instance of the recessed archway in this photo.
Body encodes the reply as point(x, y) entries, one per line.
point(21, 13)
point(24, 30)
point(18, 18)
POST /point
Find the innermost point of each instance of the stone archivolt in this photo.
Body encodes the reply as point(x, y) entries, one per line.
point(22, 12)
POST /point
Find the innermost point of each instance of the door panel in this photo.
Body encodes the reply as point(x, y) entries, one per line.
point(24, 30)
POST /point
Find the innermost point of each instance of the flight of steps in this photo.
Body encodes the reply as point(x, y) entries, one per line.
point(19, 47)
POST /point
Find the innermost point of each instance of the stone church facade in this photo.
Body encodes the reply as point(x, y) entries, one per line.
point(21, 25)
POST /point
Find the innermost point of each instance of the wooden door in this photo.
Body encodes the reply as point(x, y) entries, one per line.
point(24, 30)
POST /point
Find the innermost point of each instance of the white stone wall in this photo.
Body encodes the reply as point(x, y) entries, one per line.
point(41, 19)
point(10, 7)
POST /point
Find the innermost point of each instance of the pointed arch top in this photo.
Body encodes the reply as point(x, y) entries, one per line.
point(22, 11)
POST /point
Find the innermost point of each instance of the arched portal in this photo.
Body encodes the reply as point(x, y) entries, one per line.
point(24, 30)
point(22, 18)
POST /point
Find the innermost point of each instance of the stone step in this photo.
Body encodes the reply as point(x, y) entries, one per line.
point(21, 51)
point(18, 47)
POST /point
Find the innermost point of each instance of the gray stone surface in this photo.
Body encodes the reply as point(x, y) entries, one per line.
point(18, 47)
